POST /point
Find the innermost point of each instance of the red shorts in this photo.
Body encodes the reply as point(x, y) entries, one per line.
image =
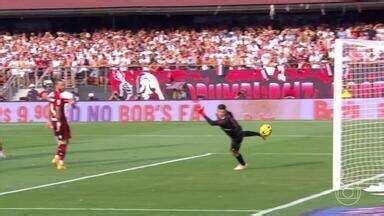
point(64, 133)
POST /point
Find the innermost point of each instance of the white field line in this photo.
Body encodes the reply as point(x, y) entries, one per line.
point(314, 196)
point(293, 203)
point(132, 209)
point(103, 174)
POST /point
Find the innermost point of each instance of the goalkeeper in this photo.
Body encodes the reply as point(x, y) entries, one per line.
point(229, 125)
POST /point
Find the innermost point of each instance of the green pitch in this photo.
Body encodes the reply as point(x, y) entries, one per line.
point(295, 162)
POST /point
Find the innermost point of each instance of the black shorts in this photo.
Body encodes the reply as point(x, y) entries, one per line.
point(236, 143)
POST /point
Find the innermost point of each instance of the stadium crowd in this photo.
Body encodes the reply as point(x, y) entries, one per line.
point(244, 47)
point(93, 54)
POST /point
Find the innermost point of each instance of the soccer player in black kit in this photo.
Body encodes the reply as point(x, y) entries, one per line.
point(229, 125)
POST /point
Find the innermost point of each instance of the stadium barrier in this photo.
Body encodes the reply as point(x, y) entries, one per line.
point(132, 111)
point(218, 85)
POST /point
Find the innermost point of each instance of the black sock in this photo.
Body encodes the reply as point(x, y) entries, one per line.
point(250, 133)
point(240, 159)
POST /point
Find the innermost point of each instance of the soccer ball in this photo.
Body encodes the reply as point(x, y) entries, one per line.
point(266, 130)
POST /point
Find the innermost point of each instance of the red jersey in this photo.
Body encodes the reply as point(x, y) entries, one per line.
point(56, 107)
point(57, 101)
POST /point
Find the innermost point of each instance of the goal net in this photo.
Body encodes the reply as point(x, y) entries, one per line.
point(358, 123)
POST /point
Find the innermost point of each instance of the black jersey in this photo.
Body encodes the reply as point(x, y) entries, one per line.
point(228, 124)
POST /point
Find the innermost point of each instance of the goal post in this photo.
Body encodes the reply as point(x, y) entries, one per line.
point(358, 115)
point(337, 91)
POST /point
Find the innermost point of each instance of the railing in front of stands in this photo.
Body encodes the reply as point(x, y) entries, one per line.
point(200, 78)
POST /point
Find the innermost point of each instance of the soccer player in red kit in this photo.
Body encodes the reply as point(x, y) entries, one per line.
point(2, 155)
point(58, 122)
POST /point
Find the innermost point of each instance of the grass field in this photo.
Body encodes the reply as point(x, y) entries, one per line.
point(164, 169)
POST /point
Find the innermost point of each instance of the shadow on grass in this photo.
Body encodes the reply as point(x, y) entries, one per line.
point(37, 155)
point(86, 163)
point(287, 165)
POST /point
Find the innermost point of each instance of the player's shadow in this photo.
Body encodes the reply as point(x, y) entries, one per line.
point(41, 154)
point(34, 155)
point(123, 148)
point(287, 165)
point(32, 146)
point(126, 161)
point(93, 162)
point(16, 169)
point(120, 161)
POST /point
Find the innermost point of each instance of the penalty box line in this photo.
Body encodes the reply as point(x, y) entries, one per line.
point(103, 174)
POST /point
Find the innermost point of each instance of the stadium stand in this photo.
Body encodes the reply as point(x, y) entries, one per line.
point(274, 50)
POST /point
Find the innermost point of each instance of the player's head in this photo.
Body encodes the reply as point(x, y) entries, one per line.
point(43, 95)
point(221, 110)
point(60, 86)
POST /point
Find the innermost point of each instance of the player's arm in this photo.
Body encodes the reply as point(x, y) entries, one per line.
point(49, 123)
point(70, 102)
point(209, 120)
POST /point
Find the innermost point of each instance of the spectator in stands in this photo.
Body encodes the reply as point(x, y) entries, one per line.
point(48, 85)
point(114, 96)
point(341, 33)
point(176, 94)
point(183, 94)
point(154, 95)
point(315, 59)
point(2, 97)
point(138, 97)
point(32, 94)
point(379, 28)
point(290, 94)
point(240, 95)
point(92, 97)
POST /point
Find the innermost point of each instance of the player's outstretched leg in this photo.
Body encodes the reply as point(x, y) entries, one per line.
point(239, 159)
point(252, 133)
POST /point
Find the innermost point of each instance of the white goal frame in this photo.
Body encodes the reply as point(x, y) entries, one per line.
point(337, 183)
